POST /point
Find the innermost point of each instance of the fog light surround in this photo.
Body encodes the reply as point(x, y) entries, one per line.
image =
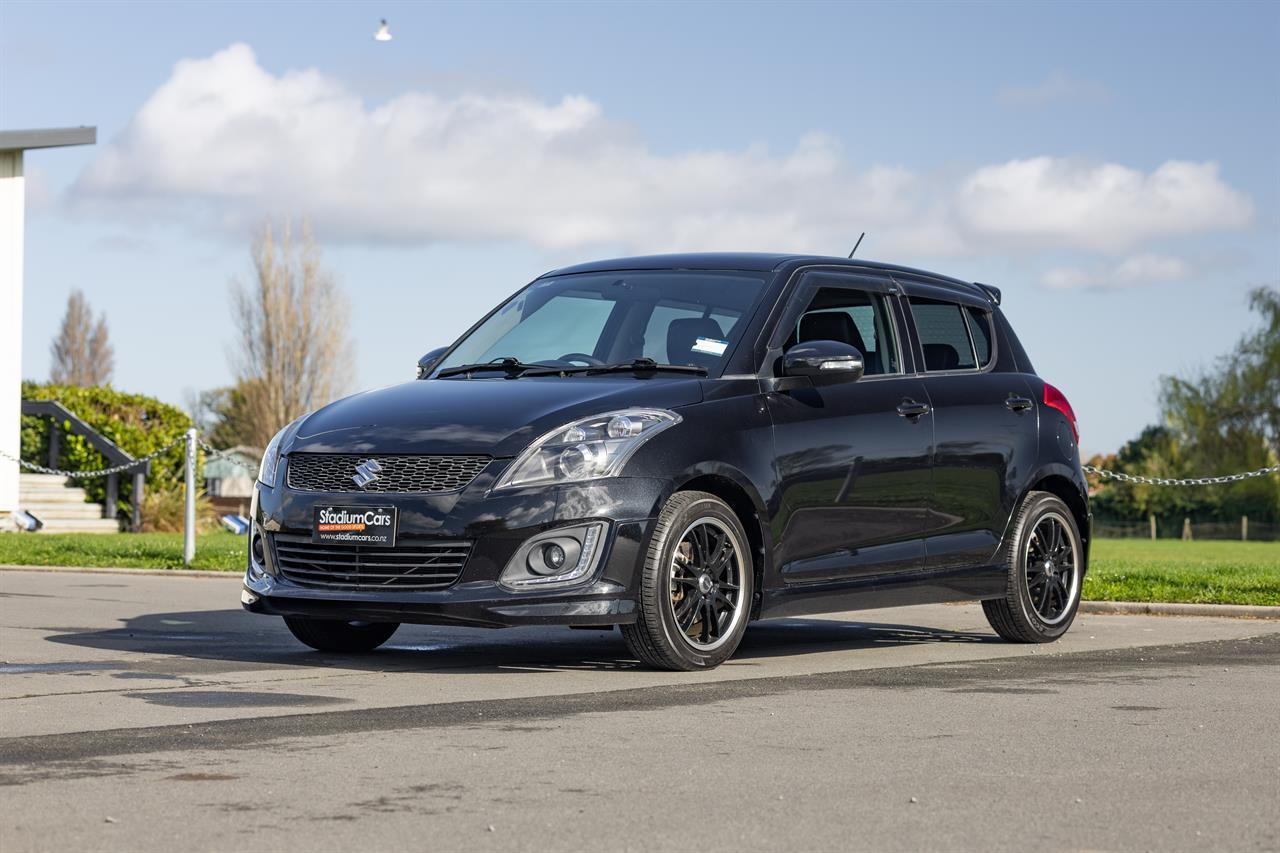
point(557, 558)
point(257, 555)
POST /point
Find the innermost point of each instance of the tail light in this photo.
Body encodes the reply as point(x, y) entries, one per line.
point(1055, 399)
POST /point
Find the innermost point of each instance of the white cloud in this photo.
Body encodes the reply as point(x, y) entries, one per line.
point(1132, 272)
point(1101, 207)
point(1058, 87)
point(223, 143)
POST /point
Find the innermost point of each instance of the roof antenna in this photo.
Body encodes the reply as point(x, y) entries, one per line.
point(857, 244)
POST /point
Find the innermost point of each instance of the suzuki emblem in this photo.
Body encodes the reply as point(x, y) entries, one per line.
point(366, 473)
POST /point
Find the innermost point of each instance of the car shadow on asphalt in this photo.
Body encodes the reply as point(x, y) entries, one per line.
point(227, 640)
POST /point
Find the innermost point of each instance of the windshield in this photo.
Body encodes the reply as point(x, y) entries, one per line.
point(669, 316)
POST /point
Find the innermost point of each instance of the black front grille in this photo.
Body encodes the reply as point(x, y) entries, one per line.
point(414, 566)
point(399, 472)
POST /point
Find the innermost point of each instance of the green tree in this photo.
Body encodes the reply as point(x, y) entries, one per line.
point(222, 417)
point(1226, 418)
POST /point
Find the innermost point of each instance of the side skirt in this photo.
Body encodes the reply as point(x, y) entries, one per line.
point(896, 590)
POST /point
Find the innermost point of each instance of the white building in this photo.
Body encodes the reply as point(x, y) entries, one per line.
point(13, 144)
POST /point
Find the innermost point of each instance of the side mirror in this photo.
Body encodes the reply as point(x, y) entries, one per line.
point(428, 362)
point(824, 362)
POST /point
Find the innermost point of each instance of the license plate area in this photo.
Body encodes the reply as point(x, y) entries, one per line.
point(355, 525)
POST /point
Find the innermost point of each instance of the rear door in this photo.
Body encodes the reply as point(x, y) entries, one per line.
point(852, 458)
point(985, 434)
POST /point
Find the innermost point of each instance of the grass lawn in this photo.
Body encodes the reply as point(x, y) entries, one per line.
point(1170, 570)
point(1204, 572)
point(219, 550)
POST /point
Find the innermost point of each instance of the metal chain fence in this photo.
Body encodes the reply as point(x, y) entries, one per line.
point(1187, 481)
point(214, 453)
point(88, 475)
point(195, 442)
point(210, 451)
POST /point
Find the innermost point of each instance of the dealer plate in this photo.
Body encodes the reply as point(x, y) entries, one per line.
point(355, 525)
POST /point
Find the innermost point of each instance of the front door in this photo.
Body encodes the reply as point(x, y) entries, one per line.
point(852, 458)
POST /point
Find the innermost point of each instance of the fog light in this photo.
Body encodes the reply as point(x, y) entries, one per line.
point(553, 556)
point(548, 558)
point(257, 551)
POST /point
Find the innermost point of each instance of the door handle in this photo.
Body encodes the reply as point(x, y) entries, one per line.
point(1018, 404)
point(912, 409)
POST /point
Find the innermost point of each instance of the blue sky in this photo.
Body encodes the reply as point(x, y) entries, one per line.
point(1115, 168)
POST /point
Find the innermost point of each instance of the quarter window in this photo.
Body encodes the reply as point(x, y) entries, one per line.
point(944, 335)
point(980, 328)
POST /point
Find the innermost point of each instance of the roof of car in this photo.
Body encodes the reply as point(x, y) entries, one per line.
point(751, 261)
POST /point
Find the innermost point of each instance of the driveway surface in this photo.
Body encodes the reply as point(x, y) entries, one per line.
point(140, 712)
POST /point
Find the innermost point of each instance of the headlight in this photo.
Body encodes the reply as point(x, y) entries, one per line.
point(271, 457)
point(587, 449)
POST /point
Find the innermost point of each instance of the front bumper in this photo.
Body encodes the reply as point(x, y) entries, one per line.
point(496, 526)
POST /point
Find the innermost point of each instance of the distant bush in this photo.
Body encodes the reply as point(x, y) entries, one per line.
point(136, 423)
point(164, 511)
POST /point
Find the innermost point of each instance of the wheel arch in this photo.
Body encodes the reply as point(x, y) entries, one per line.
point(1061, 482)
point(750, 513)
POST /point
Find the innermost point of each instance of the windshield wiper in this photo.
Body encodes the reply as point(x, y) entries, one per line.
point(512, 367)
point(639, 365)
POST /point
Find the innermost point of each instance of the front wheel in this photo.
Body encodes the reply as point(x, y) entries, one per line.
point(696, 588)
point(1045, 558)
point(333, 635)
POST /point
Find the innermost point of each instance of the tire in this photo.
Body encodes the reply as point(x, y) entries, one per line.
point(332, 635)
point(685, 572)
point(1039, 568)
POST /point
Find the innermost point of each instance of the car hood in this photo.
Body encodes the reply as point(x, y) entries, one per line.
point(496, 417)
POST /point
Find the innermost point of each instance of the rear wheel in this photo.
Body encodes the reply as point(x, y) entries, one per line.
point(333, 635)
point(1045, 559)
point(695, 594)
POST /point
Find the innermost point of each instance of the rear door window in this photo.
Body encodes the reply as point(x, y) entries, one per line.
point(944, 335)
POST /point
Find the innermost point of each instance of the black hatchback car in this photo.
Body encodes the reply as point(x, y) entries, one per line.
point(679, 445)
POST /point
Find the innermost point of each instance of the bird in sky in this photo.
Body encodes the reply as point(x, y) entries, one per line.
point(383, 33)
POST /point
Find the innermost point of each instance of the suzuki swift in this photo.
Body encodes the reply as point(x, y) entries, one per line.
point(679, 445)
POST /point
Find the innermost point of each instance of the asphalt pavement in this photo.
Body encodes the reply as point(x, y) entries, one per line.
point(151, 713)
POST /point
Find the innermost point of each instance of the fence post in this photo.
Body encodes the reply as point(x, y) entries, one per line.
point(1186, 530)
point(1244, 528)
point(1152, 518)
point(139, 484)
point(109, 508)
point(189, 524)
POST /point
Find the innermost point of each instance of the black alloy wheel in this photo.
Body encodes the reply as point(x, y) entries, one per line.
point(1044, 557)
point(697, 586)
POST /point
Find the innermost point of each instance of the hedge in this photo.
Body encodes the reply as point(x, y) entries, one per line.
point(136, 423)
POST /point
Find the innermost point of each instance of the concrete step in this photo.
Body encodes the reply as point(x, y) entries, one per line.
point(47, 486)
point(55, 479)
point(51, 502)
point(80, 525)
point(43, 493)
point(44, 510)
point(61, 505)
